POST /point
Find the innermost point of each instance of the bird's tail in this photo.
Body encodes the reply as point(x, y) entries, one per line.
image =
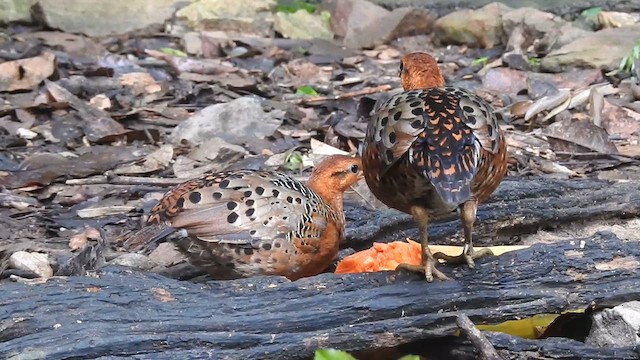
point(451, 174)
point(148, 234)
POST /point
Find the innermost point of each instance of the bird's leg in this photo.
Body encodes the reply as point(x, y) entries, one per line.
point(428, 263)
point(467, 217)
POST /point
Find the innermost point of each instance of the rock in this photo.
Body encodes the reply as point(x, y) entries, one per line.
point(346, 15)
point(238, 121)
point(399, 23)
point(301, 25)
point(37, 263)
point(504, 80)
point(166, 254)
point(616, 327)
point(245, 16)
point(103, 18)
point(560, 37)
point(134, 260)
point(482, 27)
point(602, 49)
point(614, 19)
point(208, 44)
point(15, 10)
point(535, 23)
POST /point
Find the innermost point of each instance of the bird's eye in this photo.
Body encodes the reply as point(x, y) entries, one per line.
point(354, 169)
point(401, 66)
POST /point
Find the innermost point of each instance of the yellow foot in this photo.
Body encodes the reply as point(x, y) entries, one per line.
point(428, 270)
point(467, 256)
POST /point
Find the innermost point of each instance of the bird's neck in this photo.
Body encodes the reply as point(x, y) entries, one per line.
point(331, 196)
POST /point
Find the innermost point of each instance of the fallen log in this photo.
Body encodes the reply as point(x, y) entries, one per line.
point(518, 207)
point(121, 312)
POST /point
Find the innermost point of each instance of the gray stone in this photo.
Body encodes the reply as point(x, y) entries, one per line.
point(15, 10)
point(560, 37)
point(102, 18)
point(346, 15)
point(239, 121)
point(536, 23)
point(37, 263)
point(301, 25)
point(616, 327)
point(398, 23)
point(245, 16)
point(475, 28)
point(602, 49)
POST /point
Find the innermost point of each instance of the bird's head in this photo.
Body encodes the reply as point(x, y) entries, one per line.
point(420, 70)
point(336, 173)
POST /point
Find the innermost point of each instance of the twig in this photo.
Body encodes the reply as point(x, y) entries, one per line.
point(124, 180)
point(346, 95)
point(487, 351)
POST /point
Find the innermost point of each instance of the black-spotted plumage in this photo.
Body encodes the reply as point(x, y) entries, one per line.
point(433, 149)
point(429, 145)
point(246, 222)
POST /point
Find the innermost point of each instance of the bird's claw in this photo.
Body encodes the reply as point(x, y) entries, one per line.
point(428, 270)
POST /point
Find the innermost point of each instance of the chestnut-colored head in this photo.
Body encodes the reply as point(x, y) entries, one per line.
point(335, 173)
point(420, 71)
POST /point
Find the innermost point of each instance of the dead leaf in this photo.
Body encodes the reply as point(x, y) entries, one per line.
point(140, 82)
point(157, 160)
point(575, 136)
point(621, 121)
point(198, 66)
point(26, 74)
point(101, 101)
point(79, 240)
point(43, 168)
point(596, 103)
point(547, 103)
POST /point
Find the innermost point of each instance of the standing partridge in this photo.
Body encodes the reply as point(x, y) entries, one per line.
point(433, 149)
point(243, 223)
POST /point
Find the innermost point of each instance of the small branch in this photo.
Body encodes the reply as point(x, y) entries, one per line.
point(487, 351)
point(125, 180)
point(343, 96)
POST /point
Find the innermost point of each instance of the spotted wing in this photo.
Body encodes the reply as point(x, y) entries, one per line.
point(442, 132)
point(243, 208)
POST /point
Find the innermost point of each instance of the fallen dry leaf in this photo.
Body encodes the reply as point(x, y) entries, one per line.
point(157, 160)
point(575, 136)
point(78, 241)
point(26, 74)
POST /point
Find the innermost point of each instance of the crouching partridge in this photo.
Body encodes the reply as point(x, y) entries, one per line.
point(243, 223)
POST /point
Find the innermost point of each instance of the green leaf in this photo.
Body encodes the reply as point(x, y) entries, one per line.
point(325, 16)
point(332, 354)
point(410, 357)
point(291, 6)
point(480, 61)
point(590, 12)
point(293, 161)
point(173, 52)
point(306, 90)
point(533, 61)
